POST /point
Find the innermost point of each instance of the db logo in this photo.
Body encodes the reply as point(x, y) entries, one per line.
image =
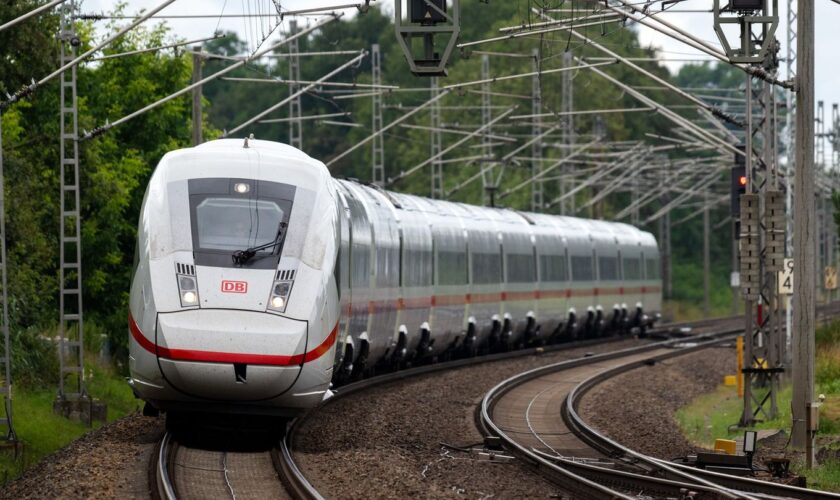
point(234, 286)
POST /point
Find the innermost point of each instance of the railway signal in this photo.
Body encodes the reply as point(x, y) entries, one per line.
point(426, 19)
point(739, 187)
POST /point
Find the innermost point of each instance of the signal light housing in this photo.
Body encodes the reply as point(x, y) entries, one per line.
point(738, 184)
point(187, 290)
point(279, 296)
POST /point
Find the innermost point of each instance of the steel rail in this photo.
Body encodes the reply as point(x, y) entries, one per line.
point(282, 455)
point(289, 474)
point(542, 463)
point(286, 447)
point(613, 448)
point(296, 483)
point(165, 487)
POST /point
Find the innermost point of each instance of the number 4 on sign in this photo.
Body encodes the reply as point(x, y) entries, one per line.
point(786, 278)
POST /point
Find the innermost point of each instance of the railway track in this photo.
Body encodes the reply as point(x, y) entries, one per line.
point(524, 412)
point(187, 471)
point(182, 471)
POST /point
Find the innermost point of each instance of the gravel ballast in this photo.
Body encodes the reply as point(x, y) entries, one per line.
point(385, 441)
point(110, 462)
point(637, 408)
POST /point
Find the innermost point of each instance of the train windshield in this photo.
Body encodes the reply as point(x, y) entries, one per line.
point(230, 217)
point(234, 224)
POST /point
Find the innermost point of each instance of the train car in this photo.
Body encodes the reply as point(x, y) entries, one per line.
point(260, 280)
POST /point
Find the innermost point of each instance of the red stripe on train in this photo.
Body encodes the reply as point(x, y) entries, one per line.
point(230, 357)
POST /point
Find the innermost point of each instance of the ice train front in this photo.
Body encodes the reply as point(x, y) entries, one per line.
point(233, 303)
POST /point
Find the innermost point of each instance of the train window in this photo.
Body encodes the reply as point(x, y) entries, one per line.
point(224, 220)
point(632, 268)
point(387, 266)
point(652, 269)
point(582, 268)
point(360, 265)
point(452, 268)
point(416, 267)
point(486, 268)
point(232, 224)
point(520, 268)
point(608, 267)
point(553, 268)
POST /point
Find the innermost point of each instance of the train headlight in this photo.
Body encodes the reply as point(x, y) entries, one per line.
point(241, 187)
point(189, 298)
point(187, 290)
point(279, 296)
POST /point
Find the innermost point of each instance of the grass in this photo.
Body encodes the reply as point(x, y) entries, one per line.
point(825, 477)
point(712, 415)
point(680, 310)
point(42, 432)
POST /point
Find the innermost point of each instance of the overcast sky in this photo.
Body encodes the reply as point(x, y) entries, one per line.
point(699, 24)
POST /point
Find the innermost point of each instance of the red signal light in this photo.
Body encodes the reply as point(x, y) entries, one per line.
point(742, 180)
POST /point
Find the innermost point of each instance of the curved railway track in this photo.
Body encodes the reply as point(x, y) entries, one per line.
point(192, 471)
point(183, 471)
point(525, 412)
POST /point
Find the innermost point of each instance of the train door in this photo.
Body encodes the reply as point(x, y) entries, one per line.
point(361, 248)
point(342, 274)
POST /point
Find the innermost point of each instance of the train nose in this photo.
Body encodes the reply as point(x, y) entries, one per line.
point(230, 355)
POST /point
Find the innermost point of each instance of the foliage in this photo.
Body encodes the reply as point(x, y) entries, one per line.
point(114, 171)
point(116, 166)
point(712, 415)
point(42, 432)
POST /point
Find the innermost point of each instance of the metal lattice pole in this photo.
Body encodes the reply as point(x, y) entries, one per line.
point(378, 156)
point(295, 124)
point(762, 256)
point(6, 357)
point(820, 145)
point(71, 319)
point(706, 257)
point(436, 143)
point(567, 132)
point(537, 202)
point(790, 125)
point(486, 117)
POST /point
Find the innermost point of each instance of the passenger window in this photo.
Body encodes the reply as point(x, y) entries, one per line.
point(582, 268)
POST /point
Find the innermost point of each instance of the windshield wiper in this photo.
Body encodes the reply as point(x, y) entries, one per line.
point(240, 257)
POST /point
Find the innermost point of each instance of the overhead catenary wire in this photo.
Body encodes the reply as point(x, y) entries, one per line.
point(582, 112)
point(693, 41)
point(532, 34)
point(458, 132)
point(155, 49)
point(388, 127)
point(326, 10)
point(29, 89)
point(452, 146)
point(297, 93)
point(305, 118)
point(306, 82)
point(31, 13)
point(108, 126)
point(670, 115)
point(715, 110)
point(525, 75)
point(618, 162)
point(511, 156)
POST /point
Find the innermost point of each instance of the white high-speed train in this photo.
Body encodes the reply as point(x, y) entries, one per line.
point(259, 280)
